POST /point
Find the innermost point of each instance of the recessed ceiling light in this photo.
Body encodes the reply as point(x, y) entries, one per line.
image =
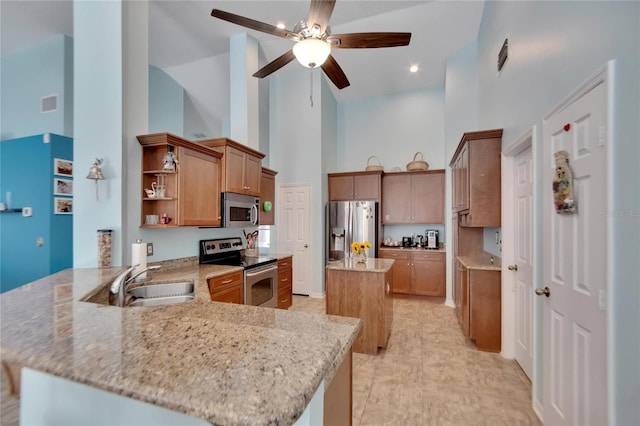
point(281, 26)
point(413, 68)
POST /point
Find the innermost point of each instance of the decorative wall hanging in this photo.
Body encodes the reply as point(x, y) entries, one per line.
point(563, 185)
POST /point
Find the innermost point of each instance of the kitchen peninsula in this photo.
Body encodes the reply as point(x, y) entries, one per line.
point(207, 361)
point(363, 290)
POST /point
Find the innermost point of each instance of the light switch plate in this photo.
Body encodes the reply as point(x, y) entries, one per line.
point(27, 211)
point(149, 249)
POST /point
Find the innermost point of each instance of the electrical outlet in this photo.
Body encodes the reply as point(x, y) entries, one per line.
point(149, 249)
point(39, 242)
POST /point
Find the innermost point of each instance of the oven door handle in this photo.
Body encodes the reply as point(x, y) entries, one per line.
point(254, 214)
point(260, 270)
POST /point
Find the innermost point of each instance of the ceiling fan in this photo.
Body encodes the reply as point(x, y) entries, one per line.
point(314, 41)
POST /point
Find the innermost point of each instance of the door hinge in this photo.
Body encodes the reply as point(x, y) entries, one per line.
point(602, 300)
point(602, 135)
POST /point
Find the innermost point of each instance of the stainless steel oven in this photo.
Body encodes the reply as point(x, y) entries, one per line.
point(239, 211)
point(261, 285)
point(260, 272)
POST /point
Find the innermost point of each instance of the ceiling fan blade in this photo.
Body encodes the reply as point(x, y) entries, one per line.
point(335, 73)
point(320, 12)
point(253, 24)
point(368, 40)
point(275, 65)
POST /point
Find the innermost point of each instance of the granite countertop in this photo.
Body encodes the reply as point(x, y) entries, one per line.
point(215, 361)
point(372, 265)
point(482, 262)
point(441, 249)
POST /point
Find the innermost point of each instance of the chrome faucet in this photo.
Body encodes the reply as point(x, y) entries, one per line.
point(119, 284)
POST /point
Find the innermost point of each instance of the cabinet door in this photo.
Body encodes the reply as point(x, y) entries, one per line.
point(235, 163)
point(427, 198)
point(230, 295)
point(464, 299)
point(341, 188)
point(396, 199)
point(463, 202)
point(252, 175)
point(199, 189)
point(401, 270)
point(427, 274)
point(267, 193)
point(366, 187)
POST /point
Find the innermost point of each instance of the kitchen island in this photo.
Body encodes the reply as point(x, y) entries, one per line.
point(363, 290)
point(221, 363)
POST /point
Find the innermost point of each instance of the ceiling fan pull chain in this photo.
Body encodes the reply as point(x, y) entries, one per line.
point(311, 86)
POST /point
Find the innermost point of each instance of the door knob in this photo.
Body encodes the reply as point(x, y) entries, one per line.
point(541, 291)
point(513, 267)
point(306, 245)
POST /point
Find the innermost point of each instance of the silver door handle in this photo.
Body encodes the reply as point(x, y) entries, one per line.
point(543, 291)
point(513, 267)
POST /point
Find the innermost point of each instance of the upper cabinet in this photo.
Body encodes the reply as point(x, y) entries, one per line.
point(355, 186)
point(476, 183)
point(413, 197)
point(188, 195)
point(267, 195)
point(241, 166)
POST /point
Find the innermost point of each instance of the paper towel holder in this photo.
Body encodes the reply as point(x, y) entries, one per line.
point(143, 254)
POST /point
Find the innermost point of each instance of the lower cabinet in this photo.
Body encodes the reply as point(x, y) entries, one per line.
point(285, 278)
point(418, 272)
point(478, 305)
point(228, 288)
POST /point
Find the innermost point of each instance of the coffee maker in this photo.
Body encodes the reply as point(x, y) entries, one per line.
point(407, 242)
point(431, 239)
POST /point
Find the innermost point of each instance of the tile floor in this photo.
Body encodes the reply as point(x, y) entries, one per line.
point(430, 375)
point(427, 375)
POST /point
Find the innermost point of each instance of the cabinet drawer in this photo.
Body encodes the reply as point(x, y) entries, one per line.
point(226, 281)
point(428, 256)
point(394, 254)
point(234, 294)
point(285, 300)
point(284, 263)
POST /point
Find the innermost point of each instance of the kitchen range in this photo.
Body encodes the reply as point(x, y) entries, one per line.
point(260, 273)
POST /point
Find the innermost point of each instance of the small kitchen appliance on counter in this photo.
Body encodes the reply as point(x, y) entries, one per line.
point(407, 242)
point(431, 239)
point(260, 273)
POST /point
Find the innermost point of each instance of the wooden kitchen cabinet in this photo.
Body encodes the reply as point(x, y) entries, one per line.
point(268, 193)
point(228, 288)
point(478, 305)
point(417, 271)
point(192, 196)
point(241, 166)
point(476, 179)
point(413, 197)
point(285, 282)
point(355, 186)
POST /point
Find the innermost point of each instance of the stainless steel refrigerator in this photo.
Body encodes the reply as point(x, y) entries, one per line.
point(349, 221)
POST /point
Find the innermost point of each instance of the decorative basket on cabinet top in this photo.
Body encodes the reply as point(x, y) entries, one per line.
point(373, 167)
point(417, 164)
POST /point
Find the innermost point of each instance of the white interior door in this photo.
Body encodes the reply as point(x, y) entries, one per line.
point(575, 266)
point(294, 233)
point(523, 259)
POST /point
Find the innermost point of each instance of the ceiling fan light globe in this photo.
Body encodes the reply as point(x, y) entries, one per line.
point(311, 52)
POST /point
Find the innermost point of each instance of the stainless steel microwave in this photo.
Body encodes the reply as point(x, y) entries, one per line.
point(239, 211)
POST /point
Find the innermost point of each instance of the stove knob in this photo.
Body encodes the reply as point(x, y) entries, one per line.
point(213, 246)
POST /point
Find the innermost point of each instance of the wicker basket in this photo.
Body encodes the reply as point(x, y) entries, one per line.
point(418, 164)
point(374, 167)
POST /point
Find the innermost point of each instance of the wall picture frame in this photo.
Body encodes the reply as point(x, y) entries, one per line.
point(63, 205)
point(62, 167)
point(63, 187)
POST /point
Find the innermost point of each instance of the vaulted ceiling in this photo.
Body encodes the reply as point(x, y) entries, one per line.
point(183, 31)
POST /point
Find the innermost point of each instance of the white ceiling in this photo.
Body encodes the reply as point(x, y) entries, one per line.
point(183, 31)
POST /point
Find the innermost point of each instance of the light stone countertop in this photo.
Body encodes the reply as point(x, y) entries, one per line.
point(227, 364)
point(482, 262)
point(372, 265)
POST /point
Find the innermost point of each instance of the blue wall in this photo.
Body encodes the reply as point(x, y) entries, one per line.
point(166, 103)
point(27, 172)
point(31, 74)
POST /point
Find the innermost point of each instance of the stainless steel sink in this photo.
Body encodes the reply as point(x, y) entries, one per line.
point(161, 294)
point(156, 301)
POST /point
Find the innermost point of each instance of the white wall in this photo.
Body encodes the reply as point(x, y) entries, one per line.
point(393, 128)
point(554, 47)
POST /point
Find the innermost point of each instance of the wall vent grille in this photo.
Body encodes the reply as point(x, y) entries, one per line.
point(50, 103)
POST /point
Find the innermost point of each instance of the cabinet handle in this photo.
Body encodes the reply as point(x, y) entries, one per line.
point(226, 281)
point(388, 288)
point(285, 279)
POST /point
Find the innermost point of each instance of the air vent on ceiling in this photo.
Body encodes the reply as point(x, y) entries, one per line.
point(49, 103)
point(504, 54)
point(199, 135)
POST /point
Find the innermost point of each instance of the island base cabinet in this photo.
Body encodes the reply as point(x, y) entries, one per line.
point(338, 396)
point(364, 295)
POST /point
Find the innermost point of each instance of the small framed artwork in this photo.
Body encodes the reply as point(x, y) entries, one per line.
point(62, 167)
point(62, 186)
point(63, 205)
